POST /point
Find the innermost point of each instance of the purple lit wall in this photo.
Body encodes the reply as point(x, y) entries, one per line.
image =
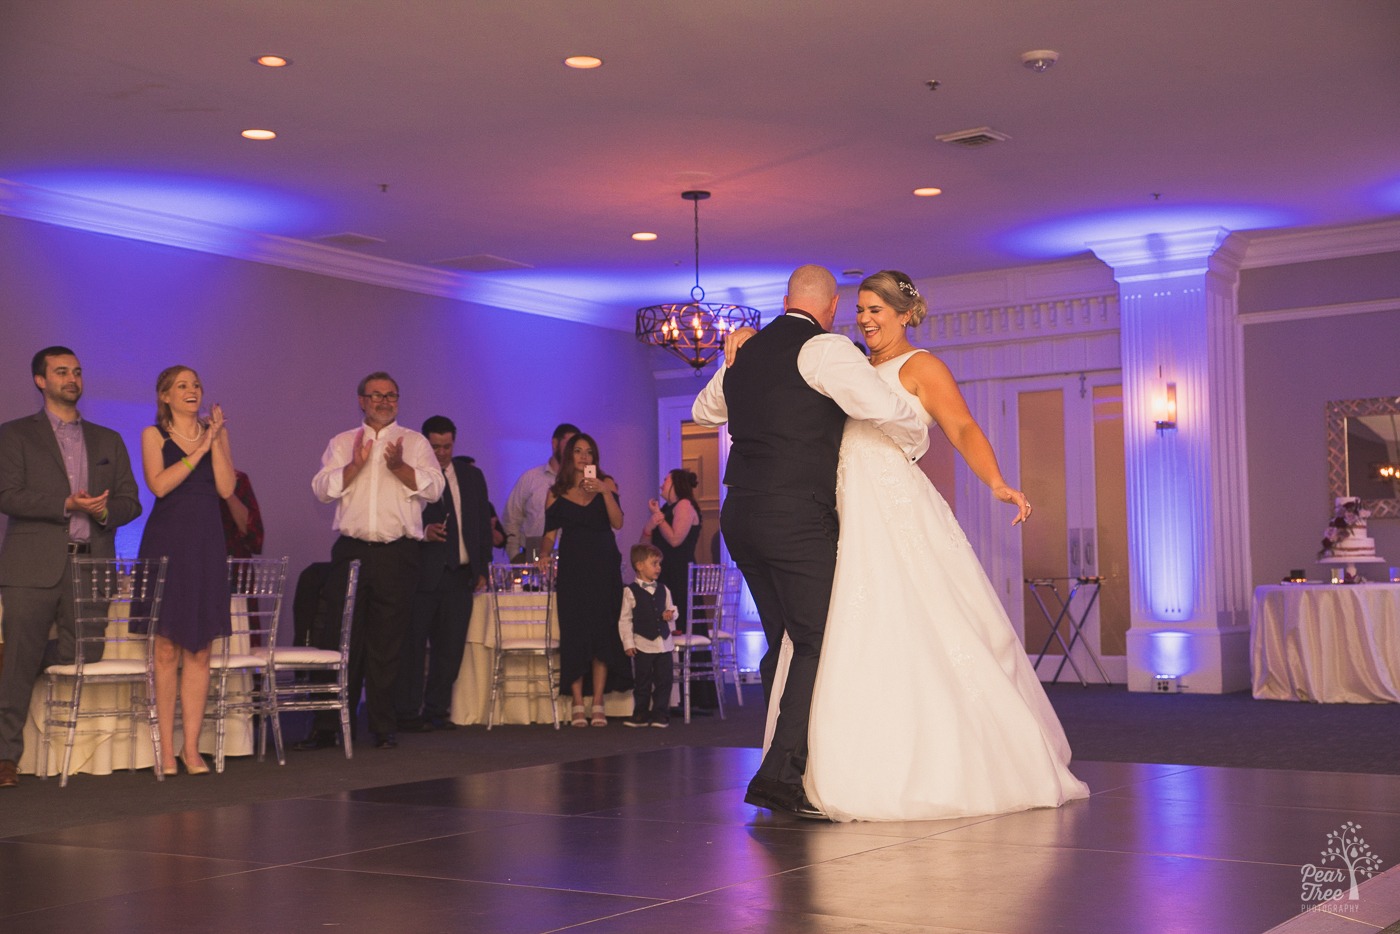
point(1292, 369)
point(282, 350)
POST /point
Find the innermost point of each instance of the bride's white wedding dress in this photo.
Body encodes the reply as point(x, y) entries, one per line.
point(925, 704)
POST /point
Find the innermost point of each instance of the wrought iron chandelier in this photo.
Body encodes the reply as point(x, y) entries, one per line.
point(693, 330)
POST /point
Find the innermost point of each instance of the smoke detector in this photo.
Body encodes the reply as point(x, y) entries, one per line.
point(971, 139)
point(1040, 60)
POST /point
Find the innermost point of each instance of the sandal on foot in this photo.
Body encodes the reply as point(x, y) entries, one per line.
point(578, 718)
point(600, 717)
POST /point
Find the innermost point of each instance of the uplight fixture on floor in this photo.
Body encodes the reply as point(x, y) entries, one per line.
point(693, 330)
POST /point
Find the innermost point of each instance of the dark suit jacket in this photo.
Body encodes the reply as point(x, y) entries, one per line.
point(438, 557)
point(33, 486)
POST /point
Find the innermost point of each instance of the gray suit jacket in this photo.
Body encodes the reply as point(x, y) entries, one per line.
point(33, 486)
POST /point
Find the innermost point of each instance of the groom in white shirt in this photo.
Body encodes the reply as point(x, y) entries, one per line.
point(786, 398)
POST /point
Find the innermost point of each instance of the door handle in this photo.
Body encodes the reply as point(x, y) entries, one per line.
point(1090, 564)
point(1074, 552)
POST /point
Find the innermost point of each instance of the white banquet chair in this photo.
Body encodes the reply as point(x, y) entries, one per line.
point(331, 693)
point(242, 665)
point(695, 656)
point(111, 597)
point(522, 597)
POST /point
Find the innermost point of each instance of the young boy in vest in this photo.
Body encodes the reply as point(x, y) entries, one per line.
point(645, 627)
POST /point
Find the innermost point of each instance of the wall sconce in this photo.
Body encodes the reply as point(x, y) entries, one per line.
point(1164, 406)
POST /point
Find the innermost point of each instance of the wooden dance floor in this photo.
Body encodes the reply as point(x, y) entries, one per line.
point(661, 840)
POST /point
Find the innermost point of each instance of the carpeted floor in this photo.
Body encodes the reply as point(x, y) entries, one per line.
point(1104, 723)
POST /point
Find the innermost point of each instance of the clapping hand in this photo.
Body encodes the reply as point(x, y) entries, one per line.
point(657, 516)
point(362, 450)
point(82, 502)
point(393, 454)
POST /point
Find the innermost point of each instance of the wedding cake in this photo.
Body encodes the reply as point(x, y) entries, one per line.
point(1346, 534)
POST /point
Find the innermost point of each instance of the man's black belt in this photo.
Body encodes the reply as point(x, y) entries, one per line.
point(79, 548)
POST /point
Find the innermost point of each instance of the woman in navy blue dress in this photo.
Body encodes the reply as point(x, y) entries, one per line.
point(582, 512)
point(189, 468)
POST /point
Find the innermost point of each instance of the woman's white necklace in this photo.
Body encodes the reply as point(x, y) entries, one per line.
point(199, 433)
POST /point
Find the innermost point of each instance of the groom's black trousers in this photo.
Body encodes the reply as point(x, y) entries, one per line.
point(786, 547)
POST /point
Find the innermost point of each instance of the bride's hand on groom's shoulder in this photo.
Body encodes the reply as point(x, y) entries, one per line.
point(734, 340)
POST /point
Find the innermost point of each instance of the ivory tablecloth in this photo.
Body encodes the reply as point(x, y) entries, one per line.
point(103, 744)
point(472, 692)
point(1333, 643)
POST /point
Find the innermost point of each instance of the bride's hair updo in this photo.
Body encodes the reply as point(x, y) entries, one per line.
point(898, 292)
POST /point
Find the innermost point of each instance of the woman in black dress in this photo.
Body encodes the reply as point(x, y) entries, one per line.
point(674, 527)
point(582, 514)
point(189, 468)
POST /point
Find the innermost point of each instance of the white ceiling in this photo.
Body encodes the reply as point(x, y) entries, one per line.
point(810, 121)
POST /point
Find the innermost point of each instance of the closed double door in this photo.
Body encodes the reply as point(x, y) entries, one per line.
point(1069, 432)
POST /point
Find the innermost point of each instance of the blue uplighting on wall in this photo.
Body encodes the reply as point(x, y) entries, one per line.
point(1068, 235)
point(212, 200)
point(1388, 194)
point(1168, 538)
point(1169, 654)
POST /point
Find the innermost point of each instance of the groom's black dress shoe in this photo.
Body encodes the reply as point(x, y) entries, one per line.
point(778, 796)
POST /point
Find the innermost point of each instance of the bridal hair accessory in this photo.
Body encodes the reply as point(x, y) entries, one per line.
point(908, 288)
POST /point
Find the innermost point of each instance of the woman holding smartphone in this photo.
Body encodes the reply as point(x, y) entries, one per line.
point(583, 515)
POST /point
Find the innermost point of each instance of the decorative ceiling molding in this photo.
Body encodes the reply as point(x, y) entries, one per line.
point(1306, 245)
point(64, 210)
point(1272, 316)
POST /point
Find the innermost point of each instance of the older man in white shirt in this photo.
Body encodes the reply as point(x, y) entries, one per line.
point(379, 475)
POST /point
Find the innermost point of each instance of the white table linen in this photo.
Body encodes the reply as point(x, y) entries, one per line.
point(471, 694)
point(1326, 643)
point(103, 744)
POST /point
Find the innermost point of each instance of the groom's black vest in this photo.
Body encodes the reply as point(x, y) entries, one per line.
point(786, 435)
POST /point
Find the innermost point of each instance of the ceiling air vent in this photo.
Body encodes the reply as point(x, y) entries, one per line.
point(980, 136)
point(482, 262)
point(349, 241)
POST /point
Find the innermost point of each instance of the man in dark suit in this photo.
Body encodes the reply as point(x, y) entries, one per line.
point(786, 398)
point(49, 463)
point(456, 558)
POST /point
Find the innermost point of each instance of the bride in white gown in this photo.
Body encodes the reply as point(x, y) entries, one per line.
point(925, 704)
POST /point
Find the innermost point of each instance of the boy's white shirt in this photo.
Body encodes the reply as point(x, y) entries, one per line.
point(631, 640)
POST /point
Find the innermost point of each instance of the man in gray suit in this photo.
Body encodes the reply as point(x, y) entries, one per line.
point(49, 463)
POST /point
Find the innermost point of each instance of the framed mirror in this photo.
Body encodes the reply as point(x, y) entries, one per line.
point(1363, 452)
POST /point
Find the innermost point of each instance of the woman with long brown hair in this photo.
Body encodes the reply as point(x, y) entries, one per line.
point(583, 515)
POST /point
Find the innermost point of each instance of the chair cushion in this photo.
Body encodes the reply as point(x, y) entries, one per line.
point(304, 655)
point(692, 642)
point(105, 668)
point(236, 660)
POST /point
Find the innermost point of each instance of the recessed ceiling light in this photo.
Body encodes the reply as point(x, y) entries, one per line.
point(928, 192)
point(273, 61)
point(259, 134)
point(583, 61)
point(643, 235)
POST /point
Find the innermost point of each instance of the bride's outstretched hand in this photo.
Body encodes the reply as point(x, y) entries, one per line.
point(1016, 498)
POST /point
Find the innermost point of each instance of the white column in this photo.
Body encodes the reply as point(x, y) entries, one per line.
point(1186, 488)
